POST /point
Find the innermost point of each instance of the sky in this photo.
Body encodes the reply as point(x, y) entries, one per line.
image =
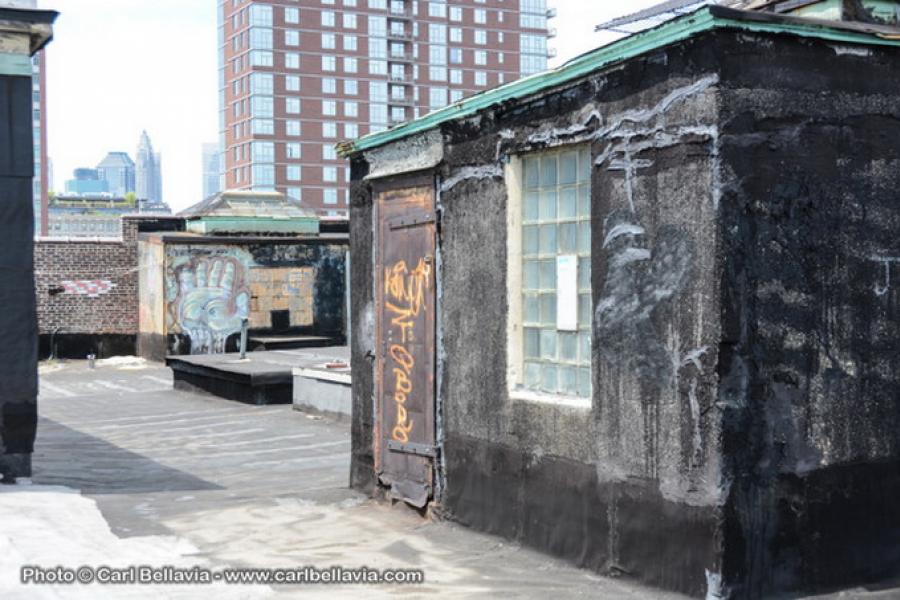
point(117, 67)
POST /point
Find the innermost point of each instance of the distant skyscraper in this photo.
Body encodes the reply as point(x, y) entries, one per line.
point(86, 181)
point(148, 171)
point(212, 170)
point(295, 78)
point(117, 169)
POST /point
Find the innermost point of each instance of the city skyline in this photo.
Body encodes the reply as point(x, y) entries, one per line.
point(181, 108)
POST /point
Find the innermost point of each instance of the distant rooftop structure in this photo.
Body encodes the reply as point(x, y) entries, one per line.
point(239, 211)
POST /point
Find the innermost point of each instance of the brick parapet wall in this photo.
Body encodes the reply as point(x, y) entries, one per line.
point(88, 285)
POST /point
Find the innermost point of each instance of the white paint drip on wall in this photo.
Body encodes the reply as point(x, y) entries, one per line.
point(479, 172)
point(622, 229)
point(714, 587)
point(842, 50)
point(887, 261)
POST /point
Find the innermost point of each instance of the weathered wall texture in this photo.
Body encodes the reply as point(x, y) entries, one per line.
point(18, 322)
point(745, 402)
point(87, 294)
point(208, 287)
point(810, 364)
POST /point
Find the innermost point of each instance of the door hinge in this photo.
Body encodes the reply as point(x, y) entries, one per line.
point(411, 221)
point(413, 448)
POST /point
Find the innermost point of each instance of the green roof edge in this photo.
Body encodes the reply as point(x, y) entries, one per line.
point(676, 30)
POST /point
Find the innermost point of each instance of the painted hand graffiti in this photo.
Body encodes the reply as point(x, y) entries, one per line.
point(211, 302)
point(405, 300)
point(638, 281)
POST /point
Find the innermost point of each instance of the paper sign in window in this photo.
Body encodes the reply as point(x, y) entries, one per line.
point(567, 292)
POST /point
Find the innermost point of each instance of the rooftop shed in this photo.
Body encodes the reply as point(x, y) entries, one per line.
point(638, 311)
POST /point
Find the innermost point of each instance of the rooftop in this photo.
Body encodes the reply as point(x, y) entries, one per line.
point(704, 19)
point(250, 212)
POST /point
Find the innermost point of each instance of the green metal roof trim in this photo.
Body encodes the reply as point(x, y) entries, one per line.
point(248, 224)
point(702, 20)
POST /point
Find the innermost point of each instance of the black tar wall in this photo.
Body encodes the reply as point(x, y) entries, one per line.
point(18, 319)
point(810, 368)
point(761, 455)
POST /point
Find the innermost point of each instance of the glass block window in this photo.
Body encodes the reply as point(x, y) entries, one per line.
point(556, 268)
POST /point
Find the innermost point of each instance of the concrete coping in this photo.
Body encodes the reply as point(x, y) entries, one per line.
point(334, 376)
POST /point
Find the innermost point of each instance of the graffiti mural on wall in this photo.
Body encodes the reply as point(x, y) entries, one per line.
point(207, 296)
point(92, 288)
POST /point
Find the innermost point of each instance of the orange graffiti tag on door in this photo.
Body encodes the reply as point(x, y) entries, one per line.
point(405, 300)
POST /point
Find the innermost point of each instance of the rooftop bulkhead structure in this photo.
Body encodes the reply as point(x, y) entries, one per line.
point(640, 312)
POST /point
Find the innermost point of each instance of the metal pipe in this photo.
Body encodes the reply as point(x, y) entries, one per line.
point(244, 324)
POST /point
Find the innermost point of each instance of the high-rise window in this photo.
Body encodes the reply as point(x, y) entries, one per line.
point(329, 174)
point(437, 33)
point(329, 108)
point(480, 57)
point(292, 172)
point(455, 13)
point(263, 176)
point(291, 15)
point(351, 130)
point(292, 60)
point(263, 152)
point(480, 37)
point(350, 64)
point(437, 97)
point(328, 41)
point(329, 63)
point(292, 150)
point(292, 83)
point(292, 105)
point(260, 38)
point(292, 127)
point(328, 152)
point(350, 43)
point(261, 58)
point(480, 16)
point(437, 9)
point(291, 37)
point(349, 21)
point(329, 196)
point(329, 129)
point(480, 78)
point(327, 18)
point(329, 85)
point(260, 15)
point(261, 106)
point(351, 87)
point(262, 83)
point(351, 109)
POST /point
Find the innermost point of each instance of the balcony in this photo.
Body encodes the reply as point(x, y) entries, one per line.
point(401, 58)
point(399, 35)
point(551, 13)
point(404, 79)
point(401, 102)
point(551, 52)
point(401, 15)
point(551, 33)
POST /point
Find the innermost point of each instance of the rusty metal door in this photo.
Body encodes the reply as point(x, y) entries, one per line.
point(405, 330)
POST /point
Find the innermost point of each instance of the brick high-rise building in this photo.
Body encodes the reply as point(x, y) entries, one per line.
point(298, 76)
